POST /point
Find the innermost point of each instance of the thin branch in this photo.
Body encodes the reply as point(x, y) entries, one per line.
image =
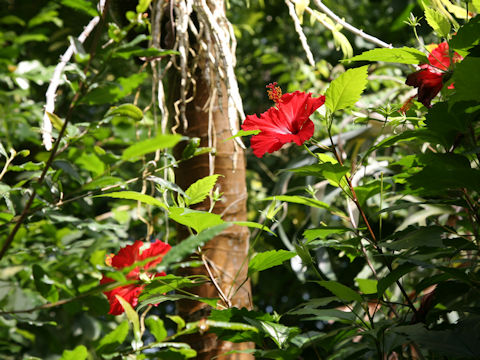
point(301, 35)
point(225, 299)
point(349, 27)
point(55, 82)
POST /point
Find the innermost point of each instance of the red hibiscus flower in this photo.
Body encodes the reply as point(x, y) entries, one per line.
point(430, 78)
point(126, 257)
point(287, 122)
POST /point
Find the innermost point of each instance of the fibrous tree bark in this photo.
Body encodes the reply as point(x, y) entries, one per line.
point(203, 101)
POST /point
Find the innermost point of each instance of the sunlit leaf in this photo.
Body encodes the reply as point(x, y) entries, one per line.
point(345, 90)
point(132, 195)
point(268, 259)
point(402, 55)
point(198, 191)
point(163, 141)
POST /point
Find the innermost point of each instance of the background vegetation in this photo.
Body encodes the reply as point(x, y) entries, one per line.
point(325, 286)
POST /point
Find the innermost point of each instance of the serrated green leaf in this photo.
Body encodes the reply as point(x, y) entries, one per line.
point(79, 353)
point(437, 21)
point(341, 291)
point(133, 195)
point(141, 148)
point(126, 110)
point(197, 220)
point(268, 259)
point(345, 90)
point(156, 327)
point(404, 55)
point(110, 342)
point(198, 191)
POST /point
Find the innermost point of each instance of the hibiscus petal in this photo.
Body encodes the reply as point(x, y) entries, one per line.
point(129, 293)
point(288, 122)
point(428, 83)
point(127, 255)
point(265, 142)
point(157, 249)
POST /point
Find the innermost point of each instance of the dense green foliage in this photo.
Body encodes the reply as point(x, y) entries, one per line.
point(365, 242)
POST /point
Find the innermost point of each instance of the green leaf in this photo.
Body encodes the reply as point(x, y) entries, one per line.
point(44, 284)
point(111, 93)
point(132, 317)
point(430, 236)
point(55, 120)
point(143, 6)
point(91, 163)
point(333, 172)
point(79, 353)
point(165, 184)
point(345, 90)
point(156, 299)
point(404, 55)
point(177, 320)
point(141, 148)
point(110, 342)
point(102, 182)
point(321, 233)
point(367, 286)
point(393, 276)
point(438, 22)
point(82, 5)
point(126, 110)
point(467, 35)
point(268, 259)
point(243, 133)
point(165, 284)
point(189, 246)
point(133, 195)
point(296, 199)
point(341, 291)
point(467, 79)
point(197, 220)
point(198, 191)
point(279, 333)
point(447, 121)
point(137, 51)
point(156, 327)
point(255, 225)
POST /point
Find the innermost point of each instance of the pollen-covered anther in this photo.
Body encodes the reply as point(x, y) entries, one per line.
point(274, 92)
point(108, 259)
